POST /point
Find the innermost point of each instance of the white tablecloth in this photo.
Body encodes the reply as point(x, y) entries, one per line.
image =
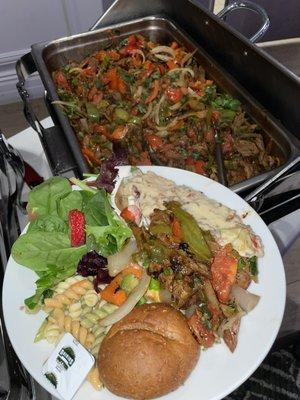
point(284, 230)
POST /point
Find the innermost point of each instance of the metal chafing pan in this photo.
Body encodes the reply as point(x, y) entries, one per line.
point(53, 55)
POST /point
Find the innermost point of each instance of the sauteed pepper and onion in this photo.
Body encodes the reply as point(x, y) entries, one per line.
point(157, 102)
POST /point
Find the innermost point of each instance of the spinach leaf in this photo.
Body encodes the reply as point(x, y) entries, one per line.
point(38, 250)
point(48, 223)
point(95, 212)
point(43, 199)
point(70, 202)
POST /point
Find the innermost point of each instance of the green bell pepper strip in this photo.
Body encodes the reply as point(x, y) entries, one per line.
point(192, 233)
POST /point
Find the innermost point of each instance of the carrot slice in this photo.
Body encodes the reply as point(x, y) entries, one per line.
point(112, 292)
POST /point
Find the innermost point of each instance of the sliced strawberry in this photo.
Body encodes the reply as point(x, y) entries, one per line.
point(77, 228)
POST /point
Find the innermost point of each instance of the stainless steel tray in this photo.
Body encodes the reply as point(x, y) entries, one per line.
point(51, 56)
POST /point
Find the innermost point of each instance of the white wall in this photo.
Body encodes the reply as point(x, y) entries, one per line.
point(24, 22)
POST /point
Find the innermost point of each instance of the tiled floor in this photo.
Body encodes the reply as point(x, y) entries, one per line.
point(13, 121)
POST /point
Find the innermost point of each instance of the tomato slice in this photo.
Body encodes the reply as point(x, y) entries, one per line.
point(131, 214)
point(61, 80)
point(204, 336)
point(131, 40)
point(174, 94)
point(223, 270)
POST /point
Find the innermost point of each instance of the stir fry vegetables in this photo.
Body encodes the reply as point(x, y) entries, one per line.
point(158, 103)
point(206, 280)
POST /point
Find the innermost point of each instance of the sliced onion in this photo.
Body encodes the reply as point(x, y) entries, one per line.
point(199, 114)
point(230, 322)
point(193, 93)
point(138, 92)
point(183, 71)
point(162, 133)
point(117, 262)
point(130, 303)
point(148, 112)
point(157, 109)
point(246, 300)
point(163, 57)
point(139, 51)
point(170, 125)
point(175, 106)
point(187, 57)
point(163, 49)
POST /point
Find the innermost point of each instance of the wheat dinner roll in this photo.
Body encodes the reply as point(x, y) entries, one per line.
point(147, 354)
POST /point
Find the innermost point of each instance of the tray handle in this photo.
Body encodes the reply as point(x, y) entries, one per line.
point(248, 5)
point(53, 140)
point(276, 206)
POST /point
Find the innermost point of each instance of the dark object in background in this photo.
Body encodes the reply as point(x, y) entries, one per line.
point(276, 378)
point(18, 383)
point(284, 17)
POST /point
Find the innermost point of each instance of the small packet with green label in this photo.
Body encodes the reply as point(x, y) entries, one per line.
point(68, 366)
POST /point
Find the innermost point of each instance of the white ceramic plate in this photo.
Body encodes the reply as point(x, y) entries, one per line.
point(218, 372)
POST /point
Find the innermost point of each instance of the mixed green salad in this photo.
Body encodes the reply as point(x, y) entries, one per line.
point(46, 247)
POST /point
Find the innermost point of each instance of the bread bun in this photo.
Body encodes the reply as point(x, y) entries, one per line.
point(148, 353)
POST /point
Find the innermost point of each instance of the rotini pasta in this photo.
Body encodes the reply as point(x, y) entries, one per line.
point(75, 310)
point(73, 293)
point(91, 298)
point(93, 378)
point(66, 324)
point(52, 332)
point(64, 285)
